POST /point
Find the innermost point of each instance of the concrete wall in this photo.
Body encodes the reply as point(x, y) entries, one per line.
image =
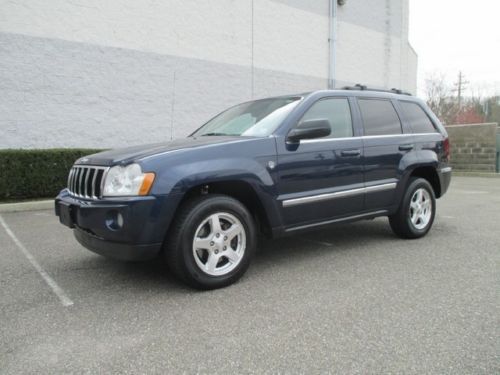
point(373, 44)
point(89, 73)
point(473, 147)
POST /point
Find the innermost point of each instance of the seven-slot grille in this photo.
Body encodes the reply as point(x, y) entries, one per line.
point(85, 181)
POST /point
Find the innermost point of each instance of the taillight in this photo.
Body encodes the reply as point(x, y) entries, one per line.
point(446, 148)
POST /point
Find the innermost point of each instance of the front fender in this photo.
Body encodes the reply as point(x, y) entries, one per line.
point(178, 179)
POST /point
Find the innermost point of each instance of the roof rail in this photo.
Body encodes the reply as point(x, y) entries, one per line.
point(366, 88)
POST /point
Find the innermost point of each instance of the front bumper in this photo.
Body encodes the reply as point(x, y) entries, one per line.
point(125, 229)
point(116, 250)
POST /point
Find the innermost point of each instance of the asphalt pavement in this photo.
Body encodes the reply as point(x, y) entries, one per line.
point(349, 299)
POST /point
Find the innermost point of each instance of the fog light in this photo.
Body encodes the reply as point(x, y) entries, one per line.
point(119, 220)
point(114, 220)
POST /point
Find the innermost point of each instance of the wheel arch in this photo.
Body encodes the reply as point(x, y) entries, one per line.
point(423, 164)
point(244, 192)
point(429, 173)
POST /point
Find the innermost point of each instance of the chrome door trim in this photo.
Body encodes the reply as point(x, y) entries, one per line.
point(338, 194)
point(360, 216)
point(382, 187)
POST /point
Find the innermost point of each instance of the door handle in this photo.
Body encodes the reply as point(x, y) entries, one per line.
point(350, 153)
point(407, 147)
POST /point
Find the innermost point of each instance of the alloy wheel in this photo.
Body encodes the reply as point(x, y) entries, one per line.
point(219, 244)
point(420, 208)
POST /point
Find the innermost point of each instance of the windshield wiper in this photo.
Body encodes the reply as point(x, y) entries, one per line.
point(214, 133)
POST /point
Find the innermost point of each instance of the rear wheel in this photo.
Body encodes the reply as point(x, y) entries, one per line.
point(416, 213)
point(211, 242)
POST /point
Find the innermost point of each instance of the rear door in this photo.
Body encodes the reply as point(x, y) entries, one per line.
point(321, 179)
point(385, 143)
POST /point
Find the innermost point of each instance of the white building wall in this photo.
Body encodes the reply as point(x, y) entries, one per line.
point(373, 46)
point(90, 73)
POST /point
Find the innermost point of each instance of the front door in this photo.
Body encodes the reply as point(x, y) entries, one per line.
point(322, 179)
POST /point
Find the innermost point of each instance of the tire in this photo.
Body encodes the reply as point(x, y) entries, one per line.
point(211, 242)
point(416, 213)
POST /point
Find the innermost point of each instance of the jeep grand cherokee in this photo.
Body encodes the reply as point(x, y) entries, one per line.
point(275, 166)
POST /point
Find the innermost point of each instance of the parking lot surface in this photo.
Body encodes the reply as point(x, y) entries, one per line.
point(348, 299)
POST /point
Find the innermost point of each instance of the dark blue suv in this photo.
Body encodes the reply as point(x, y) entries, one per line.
point(275, 166)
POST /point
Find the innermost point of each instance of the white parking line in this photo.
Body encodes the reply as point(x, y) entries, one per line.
point(65, 300)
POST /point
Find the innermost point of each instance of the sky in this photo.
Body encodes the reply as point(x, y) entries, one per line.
point(458, 35)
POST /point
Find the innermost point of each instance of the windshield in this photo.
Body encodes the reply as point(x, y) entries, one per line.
point(259, 118)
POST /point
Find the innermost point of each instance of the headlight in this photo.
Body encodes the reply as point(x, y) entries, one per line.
point(126, 181)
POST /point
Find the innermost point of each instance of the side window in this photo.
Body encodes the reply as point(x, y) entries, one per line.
point(335, 110)
point(418, 119)
point(379, 117)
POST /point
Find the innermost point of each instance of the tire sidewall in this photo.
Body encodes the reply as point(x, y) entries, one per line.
point(196, 216)
point(414, 186)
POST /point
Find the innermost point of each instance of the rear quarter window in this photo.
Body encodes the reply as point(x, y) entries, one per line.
point(417, 118)
point(379, 117)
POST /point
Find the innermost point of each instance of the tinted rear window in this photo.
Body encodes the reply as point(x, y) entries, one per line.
point(418, 119)
point(379, 117)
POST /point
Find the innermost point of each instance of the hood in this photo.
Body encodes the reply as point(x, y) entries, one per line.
point(134, 153)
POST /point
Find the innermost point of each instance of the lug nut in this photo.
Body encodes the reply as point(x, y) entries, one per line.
point(225, 247)
point(217, 235)
point(216, 251)
point(225, 238)
point(211, 243)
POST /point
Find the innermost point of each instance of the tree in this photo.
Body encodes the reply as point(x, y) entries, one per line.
point(469, 114)
point(459, 109)
point(440, 98)
point(491, 108)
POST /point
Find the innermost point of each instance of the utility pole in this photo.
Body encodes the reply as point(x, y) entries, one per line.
point(461, 85)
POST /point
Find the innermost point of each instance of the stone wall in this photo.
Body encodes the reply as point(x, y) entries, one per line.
point(473, 147)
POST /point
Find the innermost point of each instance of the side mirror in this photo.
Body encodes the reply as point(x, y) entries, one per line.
point(310, 129)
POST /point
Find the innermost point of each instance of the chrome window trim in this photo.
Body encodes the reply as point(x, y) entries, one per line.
point(396, 135)
point(338, 194)
point(319, 140)
point(365, 137)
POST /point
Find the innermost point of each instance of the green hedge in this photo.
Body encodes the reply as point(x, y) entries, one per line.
point(36, 173)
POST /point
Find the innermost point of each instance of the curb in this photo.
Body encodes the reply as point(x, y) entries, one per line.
point(27, 206)
point(475, 174)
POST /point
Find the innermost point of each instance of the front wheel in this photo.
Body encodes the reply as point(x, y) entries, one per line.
point(211, 242)
point(416, 213)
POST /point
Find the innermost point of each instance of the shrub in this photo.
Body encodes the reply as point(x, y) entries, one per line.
point(36, 173)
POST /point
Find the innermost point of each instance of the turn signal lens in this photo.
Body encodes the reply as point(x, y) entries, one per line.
point(147, 182)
